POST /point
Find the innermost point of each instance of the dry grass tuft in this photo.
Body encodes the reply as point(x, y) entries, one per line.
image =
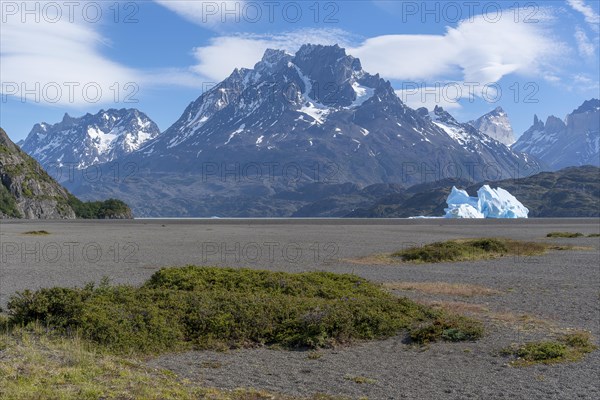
point(523, 322)
point(518, 321)
point(373, 259)
point(361, 380)
point(450, 289)
point(459, 307)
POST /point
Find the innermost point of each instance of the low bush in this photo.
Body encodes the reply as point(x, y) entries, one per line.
point(453, 328)
point(178, 308)
point(564, 234)
point(567, 348)
point(36, 233)
point(582, 341)
point(469, 249)
point(542, 351)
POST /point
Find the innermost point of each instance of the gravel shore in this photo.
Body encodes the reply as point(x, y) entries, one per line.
point(538, 297)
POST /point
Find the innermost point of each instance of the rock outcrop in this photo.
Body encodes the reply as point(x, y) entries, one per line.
point(26, 190)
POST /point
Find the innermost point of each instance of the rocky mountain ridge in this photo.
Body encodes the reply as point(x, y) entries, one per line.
point(26, 190)
point(295, 119)
point(90, 139)
point(562, 143)
point(496, 125)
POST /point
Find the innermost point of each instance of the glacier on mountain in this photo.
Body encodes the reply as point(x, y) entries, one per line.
point(489, 203)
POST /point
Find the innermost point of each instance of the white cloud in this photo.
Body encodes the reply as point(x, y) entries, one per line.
point(206, 13)
point(584, 44)
point(477, 50)
point(56, 60)
point(410, 57)
point(591, 16)
point(584, 82)
point(428, 97)
point(480, 50)
point(449, 95)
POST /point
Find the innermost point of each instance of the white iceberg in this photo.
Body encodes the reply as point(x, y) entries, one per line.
point(463, 211)
point(489, 203)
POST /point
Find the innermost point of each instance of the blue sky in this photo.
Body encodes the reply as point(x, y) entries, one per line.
point(158, 56)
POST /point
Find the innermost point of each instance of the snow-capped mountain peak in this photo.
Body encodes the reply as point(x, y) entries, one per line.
point(90, 139)
point(496, 125)
point(561, 143)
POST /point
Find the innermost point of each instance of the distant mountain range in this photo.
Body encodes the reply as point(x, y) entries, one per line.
point(571, 192)
point(260, 142)
point(562, 143)
point(91, 139)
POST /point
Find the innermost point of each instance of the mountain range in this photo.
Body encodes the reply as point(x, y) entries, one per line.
point(90, 139)
point(562, 143)
point(264, 140)
point(292, 120)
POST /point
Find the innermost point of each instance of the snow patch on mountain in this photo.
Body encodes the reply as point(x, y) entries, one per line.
point(363, 93)
point(318, 114)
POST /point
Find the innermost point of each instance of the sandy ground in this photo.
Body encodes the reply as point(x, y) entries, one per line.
point(537, 297)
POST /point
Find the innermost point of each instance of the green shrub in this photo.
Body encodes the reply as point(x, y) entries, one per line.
point(489, 245)
point(213, 308)
point(469, 249)
point(36, 233)
point(582, 341)
point(542, 351)
point(568, 347)
point(98, 209)
point(564, 234)
point(453, 328)
point(57, 307)
point(8, 204)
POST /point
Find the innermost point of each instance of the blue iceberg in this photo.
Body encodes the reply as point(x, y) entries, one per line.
point(489, 203)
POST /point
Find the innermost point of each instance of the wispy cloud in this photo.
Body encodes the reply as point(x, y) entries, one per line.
point(210, 14)
point(429, 97)
point(591, 16)
point(58, 62)
point(479, 50)
point(586, 47)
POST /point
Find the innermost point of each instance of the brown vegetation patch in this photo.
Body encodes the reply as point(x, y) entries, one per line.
point(450, 289)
